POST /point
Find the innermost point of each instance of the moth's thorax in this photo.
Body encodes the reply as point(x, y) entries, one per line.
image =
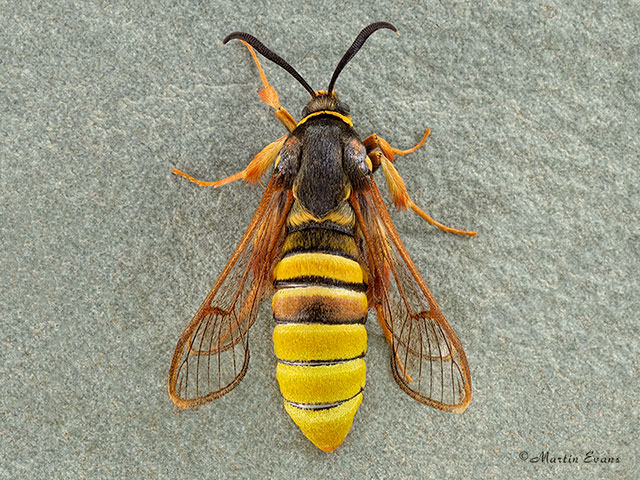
point(321, 182)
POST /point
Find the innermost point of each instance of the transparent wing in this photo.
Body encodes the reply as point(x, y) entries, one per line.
point(427, 358)
point(212, 354)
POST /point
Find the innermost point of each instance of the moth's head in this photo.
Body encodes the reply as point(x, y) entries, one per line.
point(325, 101)
point(322, 99)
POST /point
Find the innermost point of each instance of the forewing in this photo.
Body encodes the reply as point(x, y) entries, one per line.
point(427, 358)
point(212, 354)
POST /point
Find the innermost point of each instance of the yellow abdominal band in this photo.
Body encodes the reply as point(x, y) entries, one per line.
point(319, 265)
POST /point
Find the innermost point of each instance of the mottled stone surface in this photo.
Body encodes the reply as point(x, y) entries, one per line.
point(106, 256)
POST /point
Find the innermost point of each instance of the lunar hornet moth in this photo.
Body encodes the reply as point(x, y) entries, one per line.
point(322, 244)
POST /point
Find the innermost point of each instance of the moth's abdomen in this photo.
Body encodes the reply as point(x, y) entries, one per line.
point(319, 339)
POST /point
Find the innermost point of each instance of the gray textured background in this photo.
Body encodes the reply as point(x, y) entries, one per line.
point(105, 256)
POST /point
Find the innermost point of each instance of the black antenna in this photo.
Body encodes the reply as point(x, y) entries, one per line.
point(269, 55)
point(357, 44)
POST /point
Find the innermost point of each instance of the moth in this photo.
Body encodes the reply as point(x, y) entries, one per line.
point(323, 246)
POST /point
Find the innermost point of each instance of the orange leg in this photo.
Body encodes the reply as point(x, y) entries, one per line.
point(175, 171)
point(374, 141)
point(269, 95)
point(433, 222)
point(397, 189)
point(261, 162)
point(254, 171)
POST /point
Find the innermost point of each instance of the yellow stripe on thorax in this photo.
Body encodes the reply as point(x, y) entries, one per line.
point(345, 118)
point(319, 265)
